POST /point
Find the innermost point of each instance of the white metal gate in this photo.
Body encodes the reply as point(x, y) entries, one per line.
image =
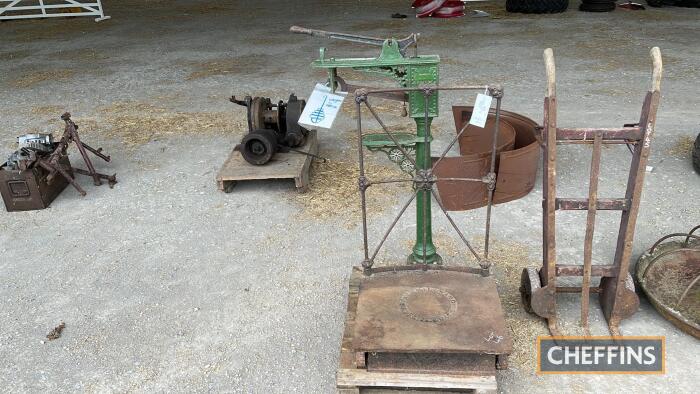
point(28, 9)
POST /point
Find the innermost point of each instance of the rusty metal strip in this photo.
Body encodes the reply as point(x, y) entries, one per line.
point(590, 227)
point(492, 175)
point(366, 263)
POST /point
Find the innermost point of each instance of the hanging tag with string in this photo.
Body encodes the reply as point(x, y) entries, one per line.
point(482, 105)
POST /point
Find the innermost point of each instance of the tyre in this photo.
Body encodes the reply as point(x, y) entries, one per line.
point(537, 6)
point(696, 154)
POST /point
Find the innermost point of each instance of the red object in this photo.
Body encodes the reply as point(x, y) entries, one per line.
point(450, 9)
point(420, 3)
point(438, 8)
point(429, 7)
point(456, 14)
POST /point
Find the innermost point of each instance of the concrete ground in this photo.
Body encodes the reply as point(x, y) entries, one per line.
point(167, 284)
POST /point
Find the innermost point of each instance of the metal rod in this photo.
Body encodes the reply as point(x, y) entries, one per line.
point(454, 140)
point(454, 225)
point(71, 133)
point(418, 89)
point(305, 153)
point(388, 231)
point(388, 181)
point(426, 161)
point(66, 175)
point(492, 173)
point(96, 152)
point(363, 199)
point(687, 289)
point(481, 180)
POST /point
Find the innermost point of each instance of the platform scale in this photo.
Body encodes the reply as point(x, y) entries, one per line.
point(420, 325)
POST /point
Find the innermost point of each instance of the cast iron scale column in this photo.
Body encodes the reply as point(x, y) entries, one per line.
point(409, 72)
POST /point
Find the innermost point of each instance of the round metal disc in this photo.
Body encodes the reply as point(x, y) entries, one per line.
point(428, 304)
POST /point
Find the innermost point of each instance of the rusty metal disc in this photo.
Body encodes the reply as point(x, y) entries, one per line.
point(428, 304)
point(669, 274)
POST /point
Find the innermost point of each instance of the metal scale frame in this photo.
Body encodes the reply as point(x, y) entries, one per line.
point(422, 324)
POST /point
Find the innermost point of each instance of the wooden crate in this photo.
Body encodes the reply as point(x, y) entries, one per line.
point(289, 165)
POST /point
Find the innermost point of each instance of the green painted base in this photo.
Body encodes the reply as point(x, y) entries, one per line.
point(429, 259)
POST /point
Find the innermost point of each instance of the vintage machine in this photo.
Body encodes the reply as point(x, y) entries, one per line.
point(420, 324)
point(272, 128)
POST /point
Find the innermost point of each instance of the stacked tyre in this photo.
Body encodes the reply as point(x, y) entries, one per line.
point(537, 6)
point(597, 5)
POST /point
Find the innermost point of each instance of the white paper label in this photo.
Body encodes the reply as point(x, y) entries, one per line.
point(322, 107)
point(482, 105)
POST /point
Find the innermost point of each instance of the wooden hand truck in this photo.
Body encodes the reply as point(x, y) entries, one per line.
point(616, 290)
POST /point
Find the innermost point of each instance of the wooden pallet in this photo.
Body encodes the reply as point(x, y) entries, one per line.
point(407, 370)
point(289, 165)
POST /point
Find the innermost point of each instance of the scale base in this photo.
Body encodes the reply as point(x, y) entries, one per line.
point(434, 259)
point(422, 327)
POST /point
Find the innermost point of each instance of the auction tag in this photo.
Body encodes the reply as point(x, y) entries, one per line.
point(482, 105)
point(322, 107)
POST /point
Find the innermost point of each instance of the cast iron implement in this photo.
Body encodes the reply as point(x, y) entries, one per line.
point(616, 290)
point(70, 135)
point(272, 128)
point(669, 274)
point(39, 170)
point(422, 324)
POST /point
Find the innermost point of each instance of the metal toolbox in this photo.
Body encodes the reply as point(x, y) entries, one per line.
point(29, 189)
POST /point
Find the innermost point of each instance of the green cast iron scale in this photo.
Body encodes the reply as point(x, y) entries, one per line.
point(408, 72)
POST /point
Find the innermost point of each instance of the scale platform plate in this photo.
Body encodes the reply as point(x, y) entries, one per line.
point(433, 311)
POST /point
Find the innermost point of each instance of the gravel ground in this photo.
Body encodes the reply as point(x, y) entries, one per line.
point(167, 284)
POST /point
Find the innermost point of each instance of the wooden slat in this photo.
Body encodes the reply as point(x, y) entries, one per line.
point(602, 204)
point(613, 306)
point(362, 378)
point(576, 289)
point(590, 227)
point(579, 134)
point(347, 354)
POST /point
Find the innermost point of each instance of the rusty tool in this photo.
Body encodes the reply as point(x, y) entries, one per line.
point(616, 290)
point(70, 135)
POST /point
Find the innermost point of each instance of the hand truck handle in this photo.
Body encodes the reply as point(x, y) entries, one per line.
point(657, 68)
point(551, 72)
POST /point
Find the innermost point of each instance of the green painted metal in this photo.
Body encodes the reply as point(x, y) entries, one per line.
point(408, 72)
